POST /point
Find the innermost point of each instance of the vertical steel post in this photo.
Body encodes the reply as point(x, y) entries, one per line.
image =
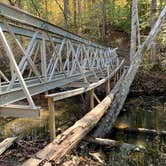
point(43, 58)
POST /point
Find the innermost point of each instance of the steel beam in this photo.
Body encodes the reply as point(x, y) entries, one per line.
point(34, 89)
point(19, 111)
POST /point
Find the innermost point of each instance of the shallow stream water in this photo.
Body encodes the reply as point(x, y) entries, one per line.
point(141, 112)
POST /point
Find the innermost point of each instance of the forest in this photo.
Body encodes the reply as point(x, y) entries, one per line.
point(95, 18)
point(82, 82)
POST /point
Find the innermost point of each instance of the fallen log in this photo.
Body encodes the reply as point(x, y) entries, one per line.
point(4, 145)
point(125, 148)
point(109, 118)
point(66, 141)
point(113, 143)
point(142, 130)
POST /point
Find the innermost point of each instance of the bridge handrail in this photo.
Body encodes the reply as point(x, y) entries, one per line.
point(74, 92)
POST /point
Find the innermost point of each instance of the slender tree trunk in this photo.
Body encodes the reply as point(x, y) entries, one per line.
point(133, 30)
point(152, 21)
point(79, 13)
point(66, 13)
point(112, 11)
point(46, 9)
point(75, 13)
point(104, 13)
point(19, 4)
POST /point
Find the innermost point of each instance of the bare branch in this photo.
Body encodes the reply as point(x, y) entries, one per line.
point(63, 12)
point(61, 8)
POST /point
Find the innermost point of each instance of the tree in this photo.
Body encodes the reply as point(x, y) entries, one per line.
point(65, 10)
point(46, 9)
point(66, 13)
point(152, 21)
point(104, 23)
point(133, 43)
point(79, 12)
point(36, 7)
point(75, 13)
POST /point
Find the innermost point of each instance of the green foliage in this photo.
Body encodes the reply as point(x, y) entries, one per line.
point(120, 17)
point(90, 20)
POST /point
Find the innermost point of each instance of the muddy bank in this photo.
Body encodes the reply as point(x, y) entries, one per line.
point(149, 83)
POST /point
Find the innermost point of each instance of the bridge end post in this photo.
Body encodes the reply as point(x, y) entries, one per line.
point(51, 118)
point(91, 99)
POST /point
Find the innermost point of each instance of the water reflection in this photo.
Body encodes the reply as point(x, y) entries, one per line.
point(141, 112)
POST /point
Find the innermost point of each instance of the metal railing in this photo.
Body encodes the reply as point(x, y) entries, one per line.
point(42, 56)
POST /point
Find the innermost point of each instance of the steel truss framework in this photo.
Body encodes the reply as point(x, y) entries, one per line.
point(42, 56)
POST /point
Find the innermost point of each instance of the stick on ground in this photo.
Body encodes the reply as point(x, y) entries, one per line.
point(4, 145)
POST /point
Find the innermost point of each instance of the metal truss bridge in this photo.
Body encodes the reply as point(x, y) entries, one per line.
point(37, 56)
